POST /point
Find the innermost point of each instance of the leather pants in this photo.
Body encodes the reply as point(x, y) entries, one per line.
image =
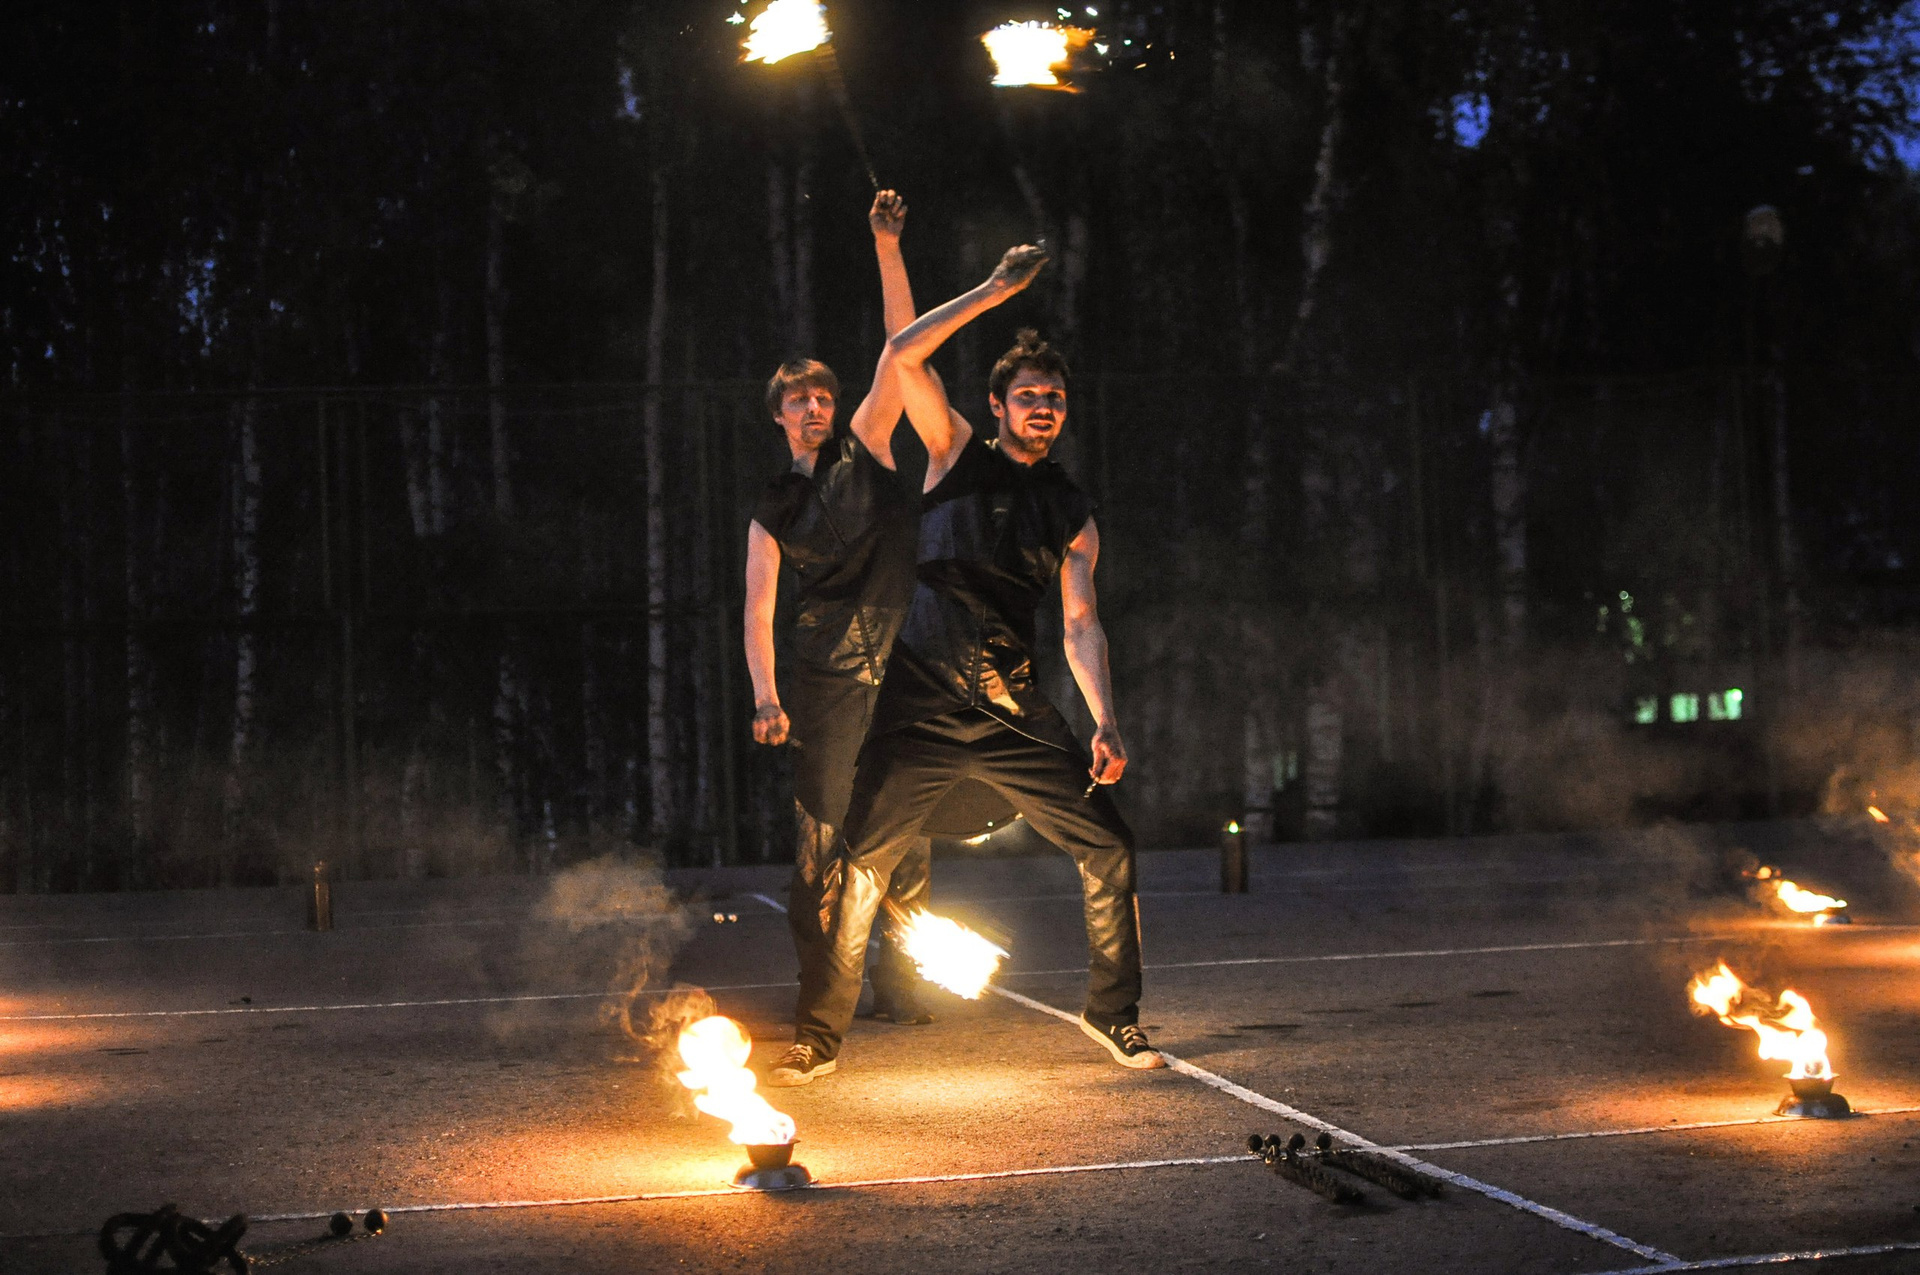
point(818, 876)
point(901, 778)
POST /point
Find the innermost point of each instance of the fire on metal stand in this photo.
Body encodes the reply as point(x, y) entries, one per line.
point(320, 900)
point(1233, 858)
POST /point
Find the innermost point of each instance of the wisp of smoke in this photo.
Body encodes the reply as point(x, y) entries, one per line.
point(628, 898)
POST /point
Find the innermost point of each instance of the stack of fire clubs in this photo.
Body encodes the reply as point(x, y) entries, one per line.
point(1311, 1169)
point(169, 1240)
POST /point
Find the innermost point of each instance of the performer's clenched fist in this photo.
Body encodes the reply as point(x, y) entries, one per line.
point(770, 724)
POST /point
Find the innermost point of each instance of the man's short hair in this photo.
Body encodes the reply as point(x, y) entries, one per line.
point(796, 373)
point(1029, 354)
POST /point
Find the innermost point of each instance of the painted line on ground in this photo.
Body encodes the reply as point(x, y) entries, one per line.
point(740, 987)
point(1523, 1139)
point(366, 1005)
point(245, 934)
point(775, 904)
point(1421, 953)
point(1546, 1211)
point(1771, 1259)
point(859, 1184)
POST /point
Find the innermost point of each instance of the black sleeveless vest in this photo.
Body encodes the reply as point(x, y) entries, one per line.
point(993, 535)
point(847, 532)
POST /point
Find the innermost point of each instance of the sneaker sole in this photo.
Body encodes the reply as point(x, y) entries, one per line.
point(780, 1078)
point(1146, 1060)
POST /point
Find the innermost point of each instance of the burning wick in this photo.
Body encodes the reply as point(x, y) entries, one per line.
point(948, 954)
point(1824, 908)
point(784, 28)
point(716, 1050)
point(1027, 54)
point(1799, 900)
point(1786, 1029)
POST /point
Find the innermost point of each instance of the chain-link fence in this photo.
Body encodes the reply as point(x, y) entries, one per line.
point(407, 630)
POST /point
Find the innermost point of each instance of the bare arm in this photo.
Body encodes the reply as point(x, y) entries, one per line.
point(874, 420)
point(1086, 647)
point(763, 586)
point(942, 429)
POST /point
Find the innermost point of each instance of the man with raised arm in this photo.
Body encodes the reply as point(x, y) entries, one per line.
point(843, 519)
point(999, 522)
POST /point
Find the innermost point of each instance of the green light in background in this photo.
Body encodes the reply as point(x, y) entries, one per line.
point(1646, 710)
point(1735, 697)
point(1724, 706)
point(1684, 707)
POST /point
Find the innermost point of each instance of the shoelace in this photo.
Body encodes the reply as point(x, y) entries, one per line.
point(1132, 1038)
point(798, 1056)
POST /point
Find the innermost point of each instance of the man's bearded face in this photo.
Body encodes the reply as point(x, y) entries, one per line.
point(1032, 415)
point(806, 417)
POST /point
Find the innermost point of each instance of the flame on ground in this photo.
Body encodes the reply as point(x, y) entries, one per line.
point(716, 1050)
point(1799, 900)
point(1786, 1028)
point(786, 27)
point(948, 954)
point(1031, 53)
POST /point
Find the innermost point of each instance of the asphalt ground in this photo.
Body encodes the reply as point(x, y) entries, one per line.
point(1511, 1012)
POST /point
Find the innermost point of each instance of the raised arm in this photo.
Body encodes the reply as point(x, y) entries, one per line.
point(942, 429)
point(1086, 647)
point(874, 420)
point(763, 585)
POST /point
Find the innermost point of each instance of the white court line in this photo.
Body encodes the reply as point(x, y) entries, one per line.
point(1522, 1139)
point(1321, 957)
point(935, 1179)
point(320, 1009)
point(1557, 1217)
point(775, 904)
point(1771, 1259)
point(244, 934)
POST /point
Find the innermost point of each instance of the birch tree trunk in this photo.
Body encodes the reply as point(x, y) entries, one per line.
point(139, 668)
point(245, 515)
point(653, 430)
point(1325, 719)
point(1509, 518)
point(495, 309)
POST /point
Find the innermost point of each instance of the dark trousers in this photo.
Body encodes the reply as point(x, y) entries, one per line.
point(818, 874)
point(902, 776)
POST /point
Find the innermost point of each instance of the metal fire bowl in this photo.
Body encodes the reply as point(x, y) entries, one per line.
point(787, 1177)
point(1814, 1100)
point(770, 1155)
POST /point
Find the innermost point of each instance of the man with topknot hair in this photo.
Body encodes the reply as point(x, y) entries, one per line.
point(999, 522)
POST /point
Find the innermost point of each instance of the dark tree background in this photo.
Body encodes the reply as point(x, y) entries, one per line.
point(1502, 413)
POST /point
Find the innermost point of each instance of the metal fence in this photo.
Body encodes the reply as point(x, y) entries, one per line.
point(406, 629)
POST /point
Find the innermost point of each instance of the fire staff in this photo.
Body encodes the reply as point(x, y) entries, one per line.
point(843, 518)
point(999, 522)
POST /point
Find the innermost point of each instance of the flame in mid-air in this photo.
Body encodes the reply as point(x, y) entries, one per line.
point(1786, 1028)
point(716, 1050)
point(1879, 815)
point(1799, 900)
point(786, 27)
point(947, 953)
point(1032, 54)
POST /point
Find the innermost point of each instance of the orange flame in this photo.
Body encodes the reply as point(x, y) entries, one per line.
point(784, 28)
point(1786, 1029)
point(1879, 815)
point(1799, 900)
point(716, 1050)
point(1030, 54)
point(948, 954)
